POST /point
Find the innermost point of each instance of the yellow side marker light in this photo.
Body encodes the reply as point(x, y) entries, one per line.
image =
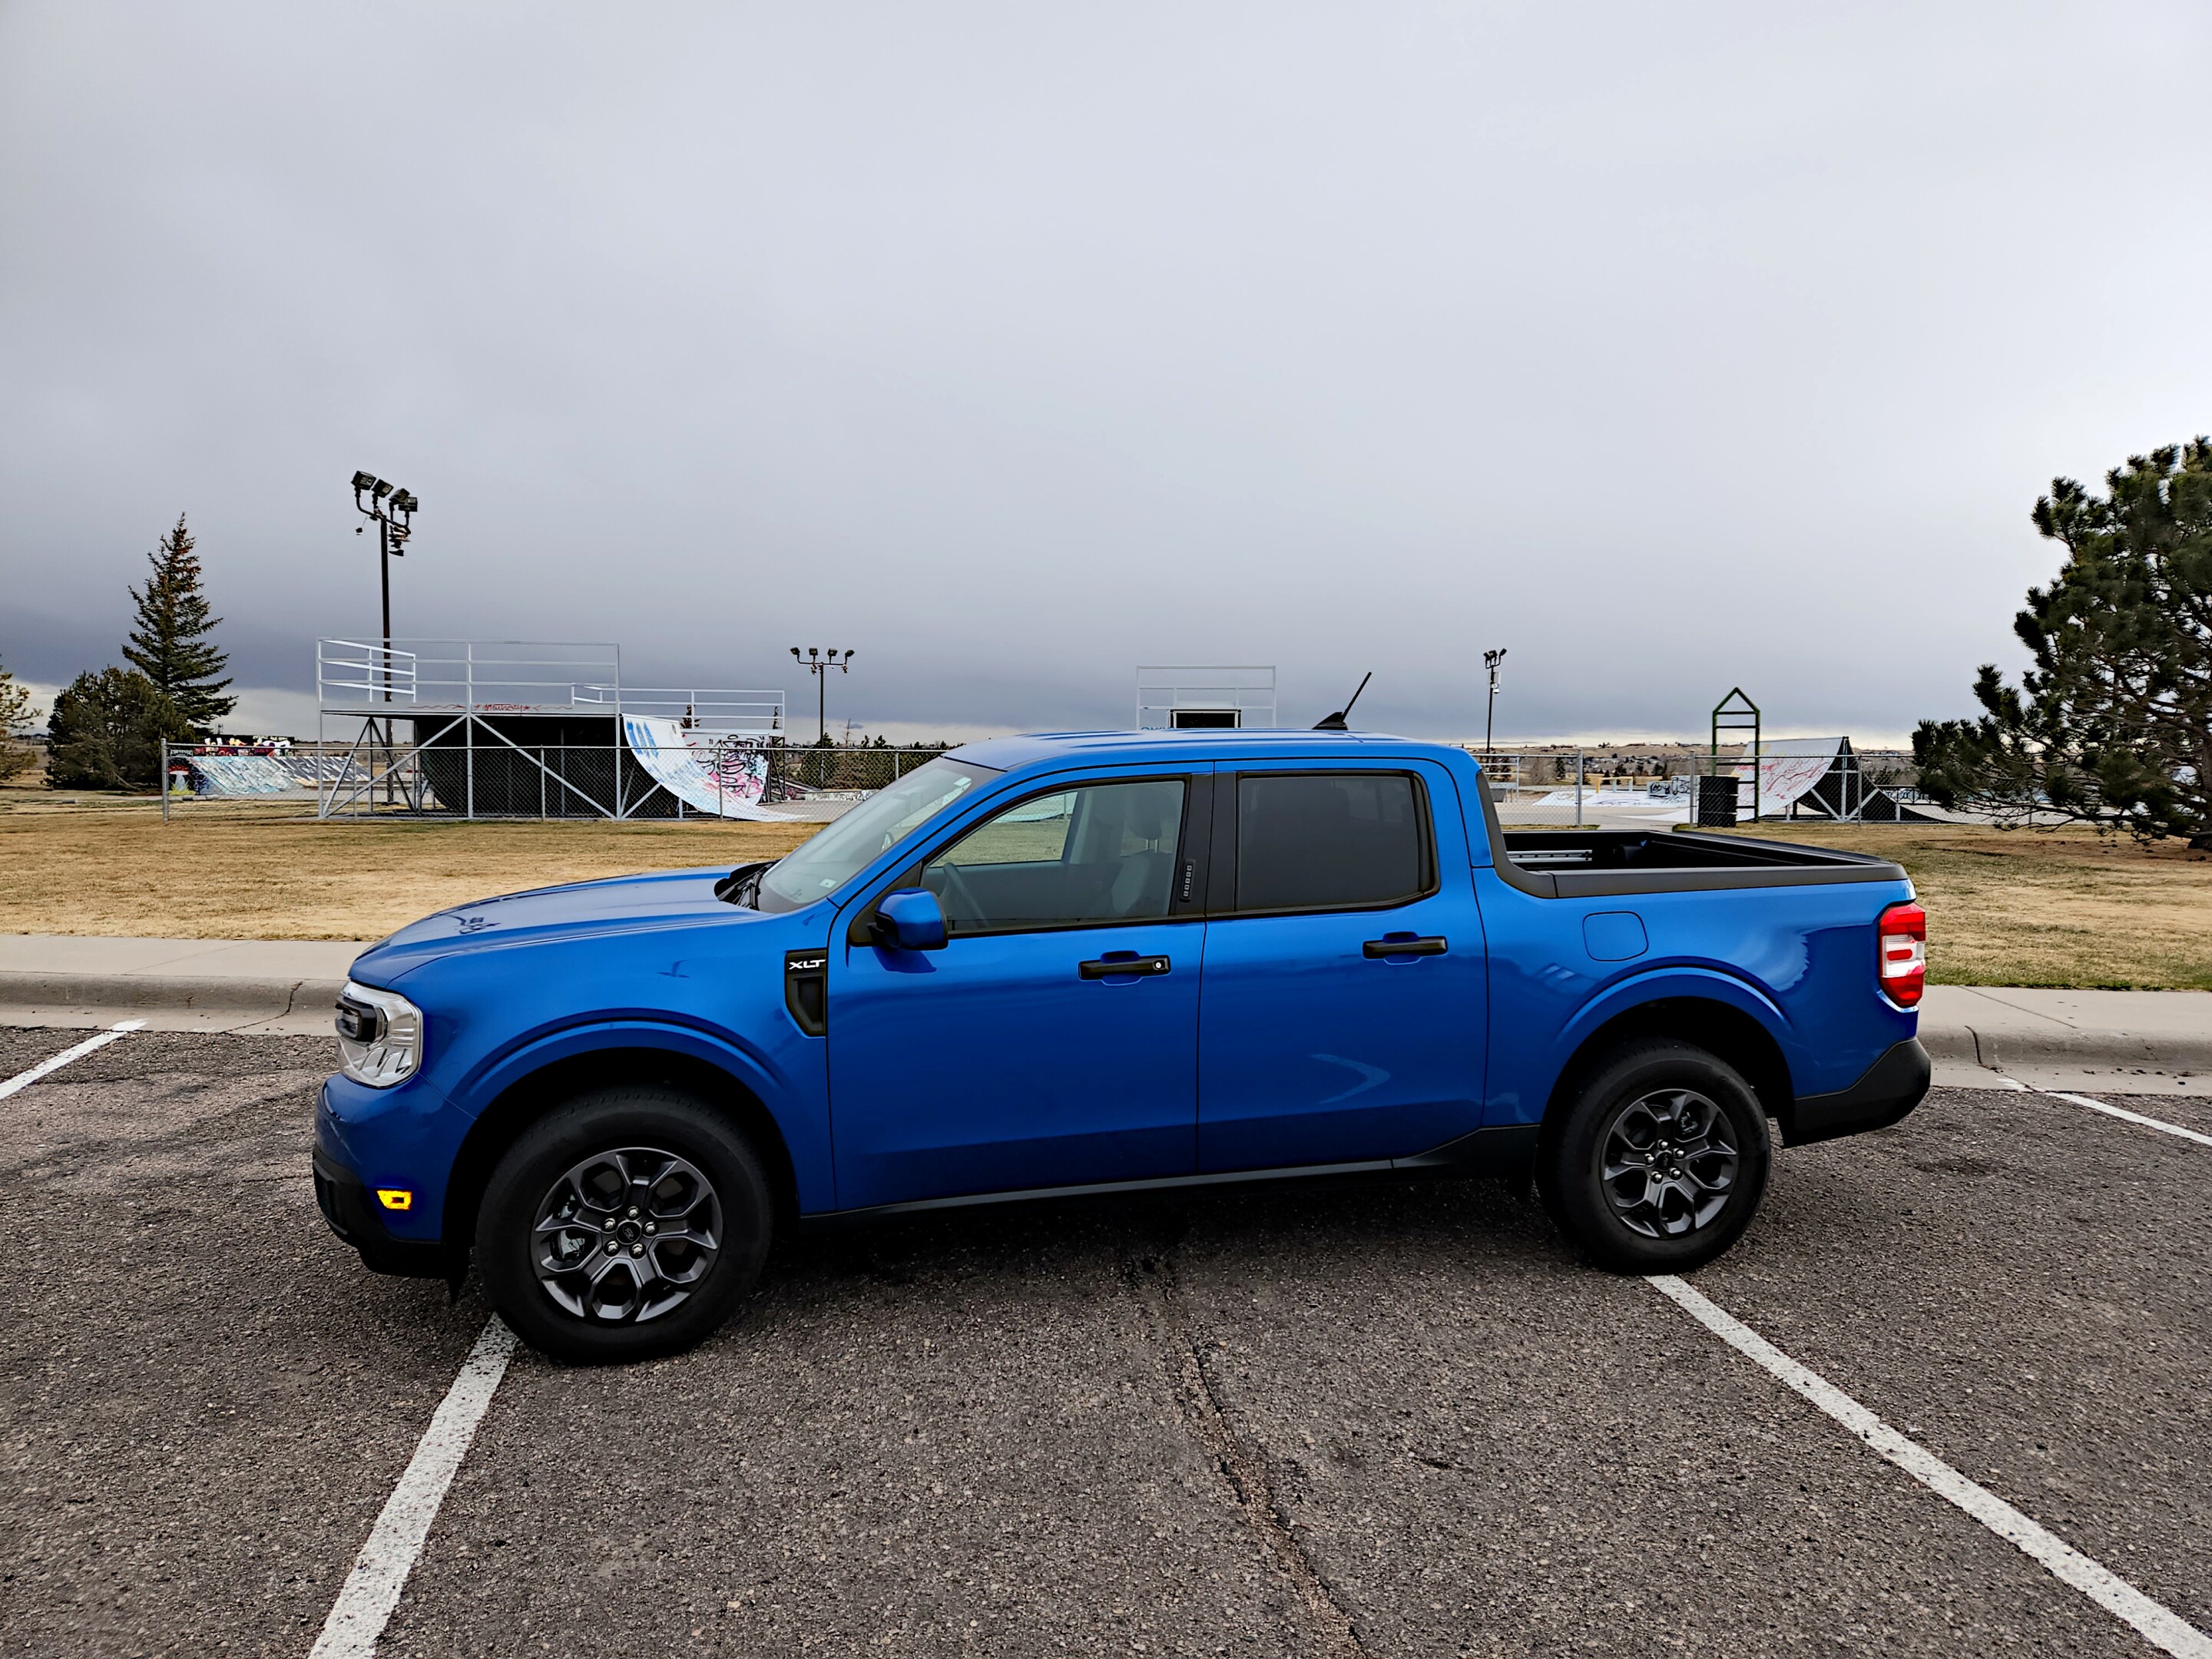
point(395, 1198)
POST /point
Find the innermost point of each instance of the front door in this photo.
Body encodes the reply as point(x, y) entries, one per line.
point(1053, 1041)
point(1345, 993)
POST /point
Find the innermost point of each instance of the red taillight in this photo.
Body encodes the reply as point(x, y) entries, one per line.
point(1902, 950)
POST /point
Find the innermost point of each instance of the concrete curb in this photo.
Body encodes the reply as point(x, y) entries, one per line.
point(178, 1002)
point(2008, 1050)
point(2131, 1041)
point(181, 992)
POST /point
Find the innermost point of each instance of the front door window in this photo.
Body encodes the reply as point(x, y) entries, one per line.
point(1101, 853)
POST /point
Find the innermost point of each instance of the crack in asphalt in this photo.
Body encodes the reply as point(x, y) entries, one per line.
point(1151, 1277)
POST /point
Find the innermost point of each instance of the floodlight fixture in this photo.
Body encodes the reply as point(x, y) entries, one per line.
point(391, 507)
point(819, 665)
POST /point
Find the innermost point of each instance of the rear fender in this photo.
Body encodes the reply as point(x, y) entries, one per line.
point(1768, 1068)
point(1659, 984)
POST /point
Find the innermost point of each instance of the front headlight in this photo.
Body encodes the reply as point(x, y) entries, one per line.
point(380, 1035)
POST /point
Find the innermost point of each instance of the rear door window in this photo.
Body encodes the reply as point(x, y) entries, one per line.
point(1330, 840)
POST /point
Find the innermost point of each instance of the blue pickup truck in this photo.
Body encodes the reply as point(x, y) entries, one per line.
point(1094, 963)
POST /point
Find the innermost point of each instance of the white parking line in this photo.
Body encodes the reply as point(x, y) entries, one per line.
point(2127, 1116)
point(2157, 1624)
point(379, 1571)
point(1998, 1081)
point(113, 1034)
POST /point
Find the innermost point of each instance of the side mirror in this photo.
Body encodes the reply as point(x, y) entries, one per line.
point(909, 920)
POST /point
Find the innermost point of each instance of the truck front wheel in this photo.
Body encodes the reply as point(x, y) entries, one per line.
point(625, 1222)
point(1660, 1161)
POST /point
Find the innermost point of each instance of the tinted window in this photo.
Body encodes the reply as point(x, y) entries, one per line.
point(887, 817)
point(1104, 852)
point(1327, 842)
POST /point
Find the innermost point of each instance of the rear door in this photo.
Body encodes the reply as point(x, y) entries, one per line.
point(1053, 1041)
point(1345, 1007)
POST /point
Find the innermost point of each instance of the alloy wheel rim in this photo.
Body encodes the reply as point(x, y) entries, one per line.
point(626, 1234)
point(1669, 1163)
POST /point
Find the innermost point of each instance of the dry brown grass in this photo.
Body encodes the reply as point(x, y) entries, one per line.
point(244, 871)
point(2057, 908)
point(2045, 907)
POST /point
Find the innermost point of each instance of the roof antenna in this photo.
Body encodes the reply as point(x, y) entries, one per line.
point(1335, 722)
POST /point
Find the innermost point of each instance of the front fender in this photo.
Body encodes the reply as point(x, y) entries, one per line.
point(801, 1111)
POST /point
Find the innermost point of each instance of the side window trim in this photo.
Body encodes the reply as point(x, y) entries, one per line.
point(1194, 784)
point(1221, 894)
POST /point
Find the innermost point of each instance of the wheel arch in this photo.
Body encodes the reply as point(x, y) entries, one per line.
point(526, 1098)
point(1725, 1031)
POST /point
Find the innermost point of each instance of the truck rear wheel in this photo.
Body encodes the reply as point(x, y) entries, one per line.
point(1660, 1160)
point(628, 1222)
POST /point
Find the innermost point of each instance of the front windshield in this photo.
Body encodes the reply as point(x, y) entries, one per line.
point(878, 823)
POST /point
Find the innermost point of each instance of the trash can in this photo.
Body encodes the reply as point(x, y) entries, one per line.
point(1716, 800)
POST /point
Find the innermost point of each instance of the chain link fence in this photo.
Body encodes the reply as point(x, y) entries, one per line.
point(1624, 786)
point(498, 778)
point(1535, 786)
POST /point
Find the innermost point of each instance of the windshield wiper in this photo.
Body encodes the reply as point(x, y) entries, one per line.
point(741, 887)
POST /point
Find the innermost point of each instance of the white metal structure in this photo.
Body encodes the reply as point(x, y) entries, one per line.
point(464, 694)
point(1168, 697)
point(421, 679)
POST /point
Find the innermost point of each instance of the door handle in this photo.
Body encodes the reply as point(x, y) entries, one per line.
point(1114, 967)
point(1377, 949)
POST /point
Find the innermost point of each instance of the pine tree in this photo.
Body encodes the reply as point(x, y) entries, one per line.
point(2112, 725)
point(14, 713)
point(107, 733)
point(170, 644)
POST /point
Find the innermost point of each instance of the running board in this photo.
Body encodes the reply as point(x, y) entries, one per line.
point(1508, 1150)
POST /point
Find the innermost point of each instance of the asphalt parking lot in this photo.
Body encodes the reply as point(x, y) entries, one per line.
point(1378, 1421)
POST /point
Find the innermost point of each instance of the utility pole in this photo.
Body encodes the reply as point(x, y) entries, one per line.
point(393, 509)
point(815, 663)
point(1489, 660)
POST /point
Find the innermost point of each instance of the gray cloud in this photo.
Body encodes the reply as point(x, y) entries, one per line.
point(1672, 348)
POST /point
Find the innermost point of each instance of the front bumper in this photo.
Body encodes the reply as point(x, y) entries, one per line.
point(1892, 1087)
point(343, 1199)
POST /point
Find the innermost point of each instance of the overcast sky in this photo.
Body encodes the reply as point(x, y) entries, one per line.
point(1668, 347)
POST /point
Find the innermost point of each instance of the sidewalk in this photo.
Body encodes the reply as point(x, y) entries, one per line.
point(2125, 1042)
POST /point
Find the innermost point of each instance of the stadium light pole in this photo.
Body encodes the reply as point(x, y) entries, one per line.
point(819, 664)
point(1489, 660)
point(393, 509)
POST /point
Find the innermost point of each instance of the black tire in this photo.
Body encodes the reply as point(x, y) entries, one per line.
point(707, 1202)
point(1676, 1122)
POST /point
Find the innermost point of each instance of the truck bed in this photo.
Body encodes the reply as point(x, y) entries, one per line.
point(1596, 863)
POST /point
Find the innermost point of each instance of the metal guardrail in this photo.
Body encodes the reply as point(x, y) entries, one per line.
point(356, 677)
point(1239, 695)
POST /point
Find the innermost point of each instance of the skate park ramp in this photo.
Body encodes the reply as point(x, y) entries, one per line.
point(713, 777)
